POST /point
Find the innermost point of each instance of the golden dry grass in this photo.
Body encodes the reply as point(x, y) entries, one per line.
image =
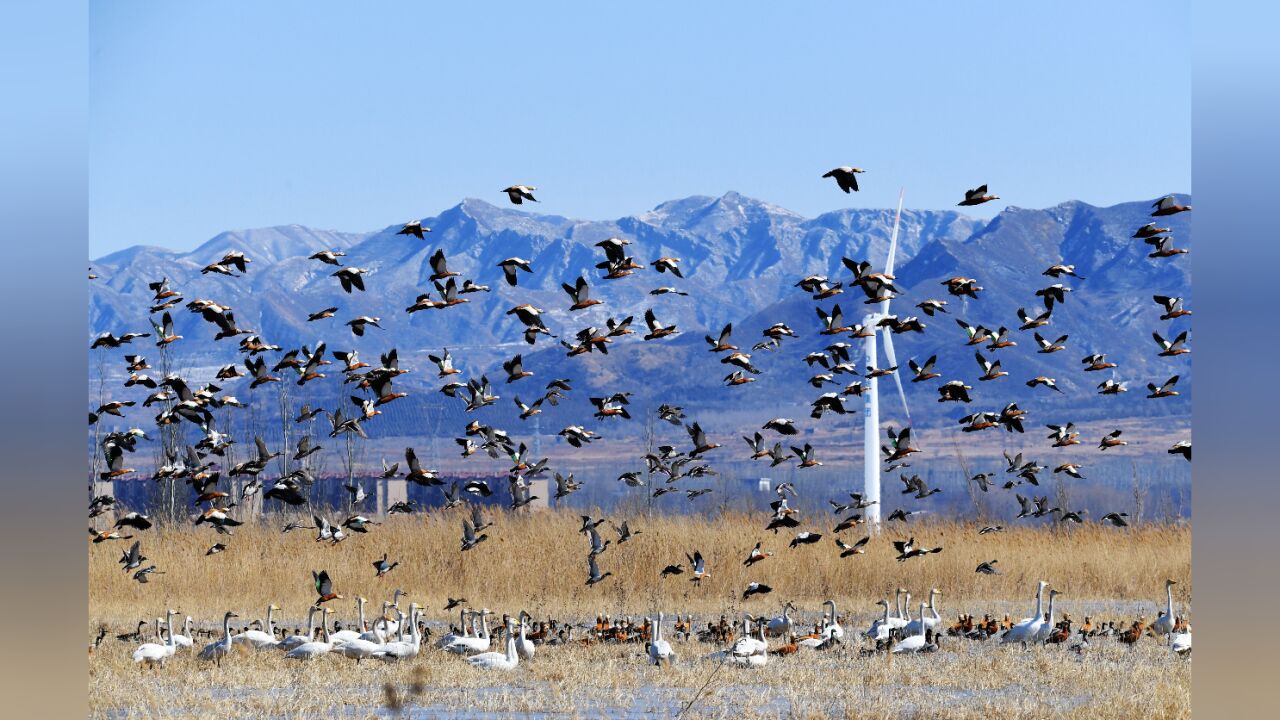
point(537, 562)
point(965, 679)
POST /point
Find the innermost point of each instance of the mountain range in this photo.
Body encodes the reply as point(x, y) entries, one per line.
point(741, 258)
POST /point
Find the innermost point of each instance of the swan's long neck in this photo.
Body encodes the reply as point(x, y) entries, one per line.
point(226, 631)
point(270, 628)
point(920, 630)
point(897, 603)
point(886, 613)
point(906, 609)
point(511, 644)
point(932, 607)
point(522, 631)
point(169, 622)
point(1168, 606)
point(1051, 608)
point(657, 631)
point(832, 605)
point(360, 612)
point(484, 626)
point(311, 623)
point(1039, 603)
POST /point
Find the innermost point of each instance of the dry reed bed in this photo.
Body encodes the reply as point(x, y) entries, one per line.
point(964, 680)
point(537, 562)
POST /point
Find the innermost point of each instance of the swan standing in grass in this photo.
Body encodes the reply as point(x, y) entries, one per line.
point(385, 624)
point(748, 645)
point(760, 656)
point(904, 615)
point(524, 646)
point(744, 648)
point(1180, 643)
point(924, 622)
point(294, 641)
point(475, 644)
point(403, 649)
point(782, 625)
point(499, 661)
point(1046, 627)
point(215, 650)
point(156, 653)
point(183, 639)
point(343, 636)
point(901, 617)
point(315, 648)
point(659, 649)
point(879, 629)
point(914, 642)
point(1026, 630)
point(260, 639)
point(1164, 624)
point(832, 628)
point(463, 628)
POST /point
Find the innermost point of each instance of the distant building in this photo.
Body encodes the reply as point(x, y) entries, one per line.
point(541, 490)
point(764, 485)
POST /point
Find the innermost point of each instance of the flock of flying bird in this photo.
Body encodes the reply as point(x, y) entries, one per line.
point(201, 465)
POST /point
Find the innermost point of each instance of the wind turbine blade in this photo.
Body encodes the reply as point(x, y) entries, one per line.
point(897, 376)
point(893, 239)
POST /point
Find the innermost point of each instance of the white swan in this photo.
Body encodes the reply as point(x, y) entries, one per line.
point(1164, 624)
point(782, 625)
point(463, 628)
point(925, 622)
point(385, 624)
point(524, 646)
point(1046, 627)
point(475, 644)
point(156, 653)
point(294, 641)
point(914, 642)
point(760, 657)
point(832, 628)
point(1180, 643)
point(879, 629)
point(659, 649)
point(901, 615)
point(183, 639)
point(498, 661)
point(403, 649)
point(1025, 631)
point(315, 648)
point(215, 650)
point(260, 639)
point(746, 645)
point(343, 636)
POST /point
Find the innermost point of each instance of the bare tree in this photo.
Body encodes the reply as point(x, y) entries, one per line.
point(96, 455)
point(1141, 489)
point(286, 424)
point(170, 440)
point(974, 492)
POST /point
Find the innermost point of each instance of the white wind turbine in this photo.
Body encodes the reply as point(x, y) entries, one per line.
point(871, 408)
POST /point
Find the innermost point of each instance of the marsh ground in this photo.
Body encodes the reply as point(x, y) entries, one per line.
point(536, 562)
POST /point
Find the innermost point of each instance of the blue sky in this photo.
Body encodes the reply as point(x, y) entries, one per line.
point(216, 116)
